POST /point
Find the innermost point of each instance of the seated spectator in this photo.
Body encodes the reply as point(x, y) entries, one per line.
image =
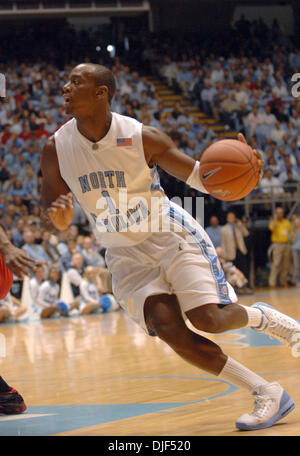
point(191, 148)
point(228, 107)
point(267, 117)
point(214, 231)
point(254, 119)
point(277, 133)
point(66, 258)
point(36, 281)
point(47, 303)
point(273, 165)
point(90, 254)
point(291, 185)
point(92, 293)
point(233, 275)
point(50, 248)
point(34, 250)
point(18, 233)
point(270, 185)
point(11, 309)
point(75, 272)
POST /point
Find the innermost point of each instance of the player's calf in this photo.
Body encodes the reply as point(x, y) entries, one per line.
point(216, 318)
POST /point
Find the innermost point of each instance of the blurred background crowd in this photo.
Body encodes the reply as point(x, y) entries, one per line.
point(232, 81)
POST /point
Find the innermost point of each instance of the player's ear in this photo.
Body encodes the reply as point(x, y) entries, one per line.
point(101, 91)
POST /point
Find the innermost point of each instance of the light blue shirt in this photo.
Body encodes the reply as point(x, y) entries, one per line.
point(215, 235)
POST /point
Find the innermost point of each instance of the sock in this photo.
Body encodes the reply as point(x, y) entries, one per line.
point(4, 388)
point(255, 316)
point(239, 375)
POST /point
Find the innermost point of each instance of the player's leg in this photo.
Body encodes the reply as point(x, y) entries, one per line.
point(5, 314)
point(89, 308)
point(163, 317)
point(276, 265)
point(49, 311)
point(285, 264)
point(11, 402)
point(198, 280)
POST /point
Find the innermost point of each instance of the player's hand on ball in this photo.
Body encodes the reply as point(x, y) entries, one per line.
point(61, 211)
point(260, 160)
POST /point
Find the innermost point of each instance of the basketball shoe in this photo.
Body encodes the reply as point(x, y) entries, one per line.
point(278, 325)
point(12, 403)
point(271, 404)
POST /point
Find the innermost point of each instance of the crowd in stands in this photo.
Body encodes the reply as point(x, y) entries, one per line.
point(246, 88)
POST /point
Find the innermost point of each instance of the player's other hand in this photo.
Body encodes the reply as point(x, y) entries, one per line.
point(260, 159)
point(17, 261)
point(61, 212)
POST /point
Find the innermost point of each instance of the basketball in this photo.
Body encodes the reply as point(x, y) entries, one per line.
point(229, 170)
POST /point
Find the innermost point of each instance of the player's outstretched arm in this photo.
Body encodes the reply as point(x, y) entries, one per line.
point(160, 149)
point(15, 259)
point(57, 201)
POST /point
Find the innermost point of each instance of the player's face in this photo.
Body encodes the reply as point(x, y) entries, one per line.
point(79, 93)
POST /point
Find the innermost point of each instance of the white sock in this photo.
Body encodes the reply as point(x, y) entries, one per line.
point(254, 316)
point(239, 375)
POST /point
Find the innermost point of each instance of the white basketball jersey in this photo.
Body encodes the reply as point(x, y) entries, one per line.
point(112, 181)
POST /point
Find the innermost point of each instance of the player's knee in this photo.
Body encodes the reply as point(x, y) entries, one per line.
point(4, 314)
point(207, 318)
point(163, 317)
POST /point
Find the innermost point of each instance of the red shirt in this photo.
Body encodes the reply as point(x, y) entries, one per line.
point(5, 137)
point(24, 136)
point(6, 279)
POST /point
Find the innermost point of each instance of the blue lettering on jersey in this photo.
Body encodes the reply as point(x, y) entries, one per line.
point(100, 179)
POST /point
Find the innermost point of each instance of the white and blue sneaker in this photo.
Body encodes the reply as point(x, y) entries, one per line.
point(278, 325)
point(271, 404)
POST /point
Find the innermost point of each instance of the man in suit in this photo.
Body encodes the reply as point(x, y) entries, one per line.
point(233, 245)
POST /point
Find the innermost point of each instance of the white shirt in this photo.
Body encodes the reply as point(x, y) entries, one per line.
point(48, 294)
point(272, 185)
point(88, 291)
point(120, 195)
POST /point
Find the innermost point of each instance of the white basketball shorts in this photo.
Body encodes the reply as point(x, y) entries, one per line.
point(183, 263)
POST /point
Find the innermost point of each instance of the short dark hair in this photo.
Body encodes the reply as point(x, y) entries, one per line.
point(104, 76)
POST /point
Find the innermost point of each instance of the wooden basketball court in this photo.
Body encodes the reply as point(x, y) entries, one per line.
point(100, 375)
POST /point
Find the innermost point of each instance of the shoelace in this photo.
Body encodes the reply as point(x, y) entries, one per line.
point(281, 328)
point(262, 405)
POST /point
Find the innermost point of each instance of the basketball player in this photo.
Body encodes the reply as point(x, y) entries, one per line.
point(158, 274)
point(12, 261)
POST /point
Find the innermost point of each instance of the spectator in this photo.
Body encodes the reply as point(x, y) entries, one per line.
point(75, 273)
point(280, 228)
point(270, 185)
point(214, 231)
point(47, 303)
point(34, 250)
point(36, 281)
point(90, 254)
point(18, 233)
point(233, 275)
point(11, 309)
point(91, 289)
point(233, 243)
point(50, 248)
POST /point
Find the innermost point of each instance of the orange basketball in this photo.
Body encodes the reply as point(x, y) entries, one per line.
point(229, 169)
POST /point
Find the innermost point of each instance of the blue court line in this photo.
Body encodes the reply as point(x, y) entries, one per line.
point(62, 418)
